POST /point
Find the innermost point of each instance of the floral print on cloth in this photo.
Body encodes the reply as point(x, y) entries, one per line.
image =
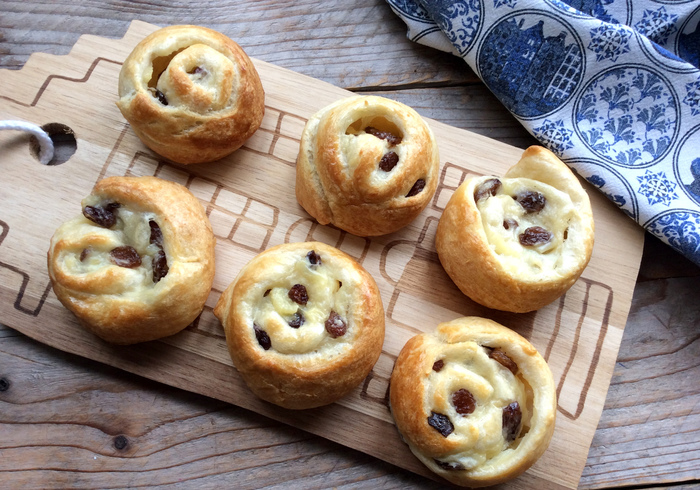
point(611, 87)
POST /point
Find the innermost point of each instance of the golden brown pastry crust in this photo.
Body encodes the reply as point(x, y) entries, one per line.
point(306, 366)
point(479, 450)
point(128, 305)
point(339, 179)
point(479, 246)
point(215, 100)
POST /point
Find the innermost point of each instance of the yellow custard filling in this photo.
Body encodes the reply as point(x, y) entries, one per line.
point(299, 327)
point(478, 435)
point(505, 221)
point(90, 247)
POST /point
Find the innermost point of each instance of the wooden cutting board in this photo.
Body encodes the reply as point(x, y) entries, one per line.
point(250, 201)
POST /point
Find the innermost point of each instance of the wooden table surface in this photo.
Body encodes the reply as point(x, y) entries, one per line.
point(68, 422)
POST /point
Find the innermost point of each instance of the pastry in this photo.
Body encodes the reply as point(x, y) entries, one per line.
point(367, 165)
point(518, 242)
point(138, 264)
point(191, 94)
point(474, 401)
point(304, 324)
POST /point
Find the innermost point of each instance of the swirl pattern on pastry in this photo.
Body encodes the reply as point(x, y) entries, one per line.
point(474, 401)
point(366, 164)
point(138, 264)
point(191, 94)
point(304, 324)
point(518, 242)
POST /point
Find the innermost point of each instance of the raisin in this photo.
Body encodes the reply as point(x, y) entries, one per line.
point(262, 336)
point(335, 325)
point(463, 402)
point(198, 70)
point(502, 358)
point(486, 189)
point(512, 416)
point(297, 321)
point(160, 96)
point(417, 188)
point(446, 465)
point(84, 254)
point(441, 423)
point(298, 294)
point(103, 216)
point(125, 256)
point(388, 161)
point(534, 236)
point(438, 365)
point(160, 266)
point(510, 223)
point(531, 201)
point(391, 138)
point(156, 234)
point(314, 258)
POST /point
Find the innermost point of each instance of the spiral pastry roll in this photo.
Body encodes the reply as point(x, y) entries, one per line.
point(191, 94)
point(367, 165)
point(304, 324)
point(474, 400)
point(519, 242)
point(138, 264)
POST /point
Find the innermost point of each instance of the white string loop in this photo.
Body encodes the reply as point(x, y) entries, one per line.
point(45, 144)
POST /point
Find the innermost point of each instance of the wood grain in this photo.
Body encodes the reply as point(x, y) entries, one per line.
point(252, 207)
point(650, 428)
point(144, 429)
point(445, 90)
point(339, 42)
point(55, 399)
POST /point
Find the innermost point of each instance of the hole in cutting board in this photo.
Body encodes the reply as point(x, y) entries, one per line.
point(63, 139)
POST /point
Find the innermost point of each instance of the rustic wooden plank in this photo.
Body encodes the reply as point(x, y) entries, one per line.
point(579, 335)
point(26, 27)
point(70, 422)
point(350, 44)
point(650, 428)
point(641, 439)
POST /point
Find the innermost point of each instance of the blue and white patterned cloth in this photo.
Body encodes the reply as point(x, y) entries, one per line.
point(611, 87)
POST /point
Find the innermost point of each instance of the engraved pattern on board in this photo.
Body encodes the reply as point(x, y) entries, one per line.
point(246, 224)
